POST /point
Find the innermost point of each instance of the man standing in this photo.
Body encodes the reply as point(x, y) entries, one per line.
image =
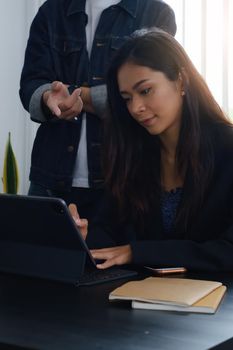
point(70, 45)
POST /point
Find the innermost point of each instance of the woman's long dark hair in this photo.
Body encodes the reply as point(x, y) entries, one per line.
point(132, 155)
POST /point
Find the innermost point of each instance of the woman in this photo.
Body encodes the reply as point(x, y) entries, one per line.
point(169, 161)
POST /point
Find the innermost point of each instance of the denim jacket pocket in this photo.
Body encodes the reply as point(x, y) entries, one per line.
point(68, 54)
point(117, 42)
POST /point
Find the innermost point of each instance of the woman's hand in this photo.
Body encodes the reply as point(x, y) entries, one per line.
point(81, 223)
point(113, 256)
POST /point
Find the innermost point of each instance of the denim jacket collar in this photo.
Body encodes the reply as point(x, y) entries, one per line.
point(79, 6)
point(129, 6)
point(76, 6)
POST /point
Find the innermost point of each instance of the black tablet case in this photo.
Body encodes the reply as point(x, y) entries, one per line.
point(39, 238)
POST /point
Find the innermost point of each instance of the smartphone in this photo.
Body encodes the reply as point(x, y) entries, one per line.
point(166, 270)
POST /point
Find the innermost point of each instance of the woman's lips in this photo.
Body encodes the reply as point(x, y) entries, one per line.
point(147, 121)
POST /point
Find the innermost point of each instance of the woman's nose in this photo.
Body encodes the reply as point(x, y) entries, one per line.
point(137, 106)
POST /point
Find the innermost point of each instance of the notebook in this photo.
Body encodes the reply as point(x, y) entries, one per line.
point(39, 238)
point(208, 304)
point(174, 294)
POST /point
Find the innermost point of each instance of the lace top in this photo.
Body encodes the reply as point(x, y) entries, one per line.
point(169, 203)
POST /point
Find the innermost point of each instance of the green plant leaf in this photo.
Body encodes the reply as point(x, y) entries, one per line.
point(10, 170)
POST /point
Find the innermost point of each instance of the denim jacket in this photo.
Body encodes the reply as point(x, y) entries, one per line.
point(56, 50)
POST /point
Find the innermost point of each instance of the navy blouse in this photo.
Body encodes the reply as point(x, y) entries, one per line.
point(169, 203)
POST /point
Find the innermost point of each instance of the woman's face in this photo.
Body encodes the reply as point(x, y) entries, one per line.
point(152, 100)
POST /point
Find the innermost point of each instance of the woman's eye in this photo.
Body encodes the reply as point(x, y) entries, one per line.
point(145, 91)
point(126, 99)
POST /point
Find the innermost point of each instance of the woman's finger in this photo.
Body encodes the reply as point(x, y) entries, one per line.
point(106, 264)
point(74, 211)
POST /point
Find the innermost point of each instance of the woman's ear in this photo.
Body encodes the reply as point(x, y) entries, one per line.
point(182, 81)
point(180, 85)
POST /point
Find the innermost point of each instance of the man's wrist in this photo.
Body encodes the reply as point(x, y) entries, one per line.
point(71, 88)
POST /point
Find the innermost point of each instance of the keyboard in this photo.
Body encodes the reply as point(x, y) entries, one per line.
point(96, 276)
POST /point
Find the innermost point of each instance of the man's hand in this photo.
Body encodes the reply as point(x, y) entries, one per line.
point(81, 223)
point(61, 103)
point(113, 256)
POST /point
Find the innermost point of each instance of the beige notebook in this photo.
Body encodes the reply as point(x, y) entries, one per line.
point(171, 291)
point(208, 304)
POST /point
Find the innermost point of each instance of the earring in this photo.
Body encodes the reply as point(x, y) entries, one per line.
point(182, 92)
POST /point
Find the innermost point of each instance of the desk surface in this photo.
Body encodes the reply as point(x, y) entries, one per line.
point(47, 315)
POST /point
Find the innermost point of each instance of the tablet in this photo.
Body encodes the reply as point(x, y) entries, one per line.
point(39, 238)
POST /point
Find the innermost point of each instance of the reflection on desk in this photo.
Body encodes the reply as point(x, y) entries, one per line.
point(46, 315)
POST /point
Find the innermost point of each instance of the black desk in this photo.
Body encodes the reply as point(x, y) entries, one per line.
point(48, 315)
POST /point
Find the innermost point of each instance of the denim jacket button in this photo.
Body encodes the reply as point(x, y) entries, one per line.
point(70, 149)
point(97, 78)
point(100, 44)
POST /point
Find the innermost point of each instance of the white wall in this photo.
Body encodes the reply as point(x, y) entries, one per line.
point(15, 19)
